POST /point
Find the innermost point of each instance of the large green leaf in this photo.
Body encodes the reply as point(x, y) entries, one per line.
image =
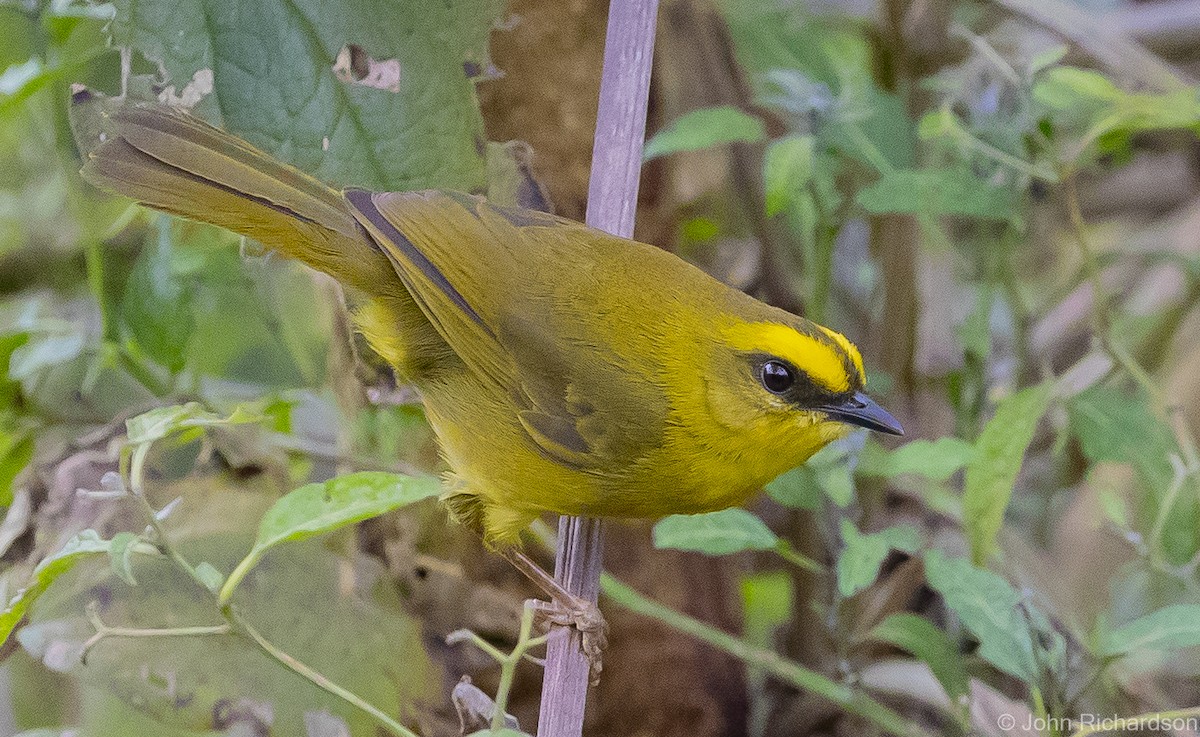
point(156, 309)
point(400, 113)
point(992, 472)
point(353, 630)
point(1118, 427)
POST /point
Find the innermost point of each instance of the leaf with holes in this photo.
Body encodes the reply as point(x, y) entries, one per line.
point(370, 93)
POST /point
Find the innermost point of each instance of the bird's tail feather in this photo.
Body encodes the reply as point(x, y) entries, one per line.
point(178, 164)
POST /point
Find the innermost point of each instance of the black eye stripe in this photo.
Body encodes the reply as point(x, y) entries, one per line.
point(784, 380)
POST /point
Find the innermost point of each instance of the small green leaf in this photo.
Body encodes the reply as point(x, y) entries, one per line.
point(938, 123)
point(1000, 450)
point(211, 577)
point(858, 565)
point(990, 610)
point(766, 604)
point(16, 451)
point(1118, 427)
point(831, 469)
point(1089, 106)
point(157, 309)
point(84, 544)
point(163, 421)
point(1169, 628)
point(315, 509)
point(9, 389)
point(797, 488)
point(935, 192)
point(1066, 87)
point(1114, 508)
point(931, 646)
point(837, 481)
point(1048, 58)
point(787, 170)
point(277, 414)
point(43, 352)
point(933, 459)
point(120, 552)
point(716, 533)
point(705, 128)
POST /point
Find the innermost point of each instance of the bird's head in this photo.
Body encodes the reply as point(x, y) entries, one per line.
point(790, 384)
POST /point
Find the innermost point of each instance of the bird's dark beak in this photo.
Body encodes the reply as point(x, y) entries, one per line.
point(861, 410)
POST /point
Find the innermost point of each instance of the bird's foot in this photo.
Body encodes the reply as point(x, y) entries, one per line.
point(567, 610)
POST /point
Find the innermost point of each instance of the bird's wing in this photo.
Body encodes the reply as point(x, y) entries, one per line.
point(503, 288)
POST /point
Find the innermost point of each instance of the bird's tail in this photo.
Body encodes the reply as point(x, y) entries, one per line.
point(178, 164)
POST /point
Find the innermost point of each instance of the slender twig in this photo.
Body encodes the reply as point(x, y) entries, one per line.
point(104, 631)
point(785, 550)
point(612, 203)
point(1086, 253)
point(135, 477)
point(508, 666)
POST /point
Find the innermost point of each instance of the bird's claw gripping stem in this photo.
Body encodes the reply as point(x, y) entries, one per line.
point(585, 617)
point(567, 610)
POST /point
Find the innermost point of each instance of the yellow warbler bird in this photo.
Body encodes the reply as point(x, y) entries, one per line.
point(563, 369)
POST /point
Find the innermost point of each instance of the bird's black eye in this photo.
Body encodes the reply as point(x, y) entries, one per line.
point(777, 377)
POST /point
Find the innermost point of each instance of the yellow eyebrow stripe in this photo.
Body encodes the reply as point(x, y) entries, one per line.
point(819, 360)
point(850, 349)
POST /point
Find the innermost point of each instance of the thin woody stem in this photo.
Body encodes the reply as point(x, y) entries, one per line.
point(612, 204)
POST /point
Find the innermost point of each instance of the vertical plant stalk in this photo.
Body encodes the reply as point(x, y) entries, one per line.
point(612, 204)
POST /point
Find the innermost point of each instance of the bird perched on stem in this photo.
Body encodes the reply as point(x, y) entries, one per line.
point(563, 369)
